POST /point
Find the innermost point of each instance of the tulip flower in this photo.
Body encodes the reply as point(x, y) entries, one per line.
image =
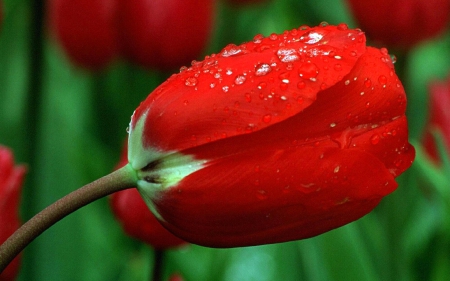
point(401, 23)
point(86, 30)
point(11, 178)
point(278, 139)
point(164, 34)
point(137, 220)
point(439, 115)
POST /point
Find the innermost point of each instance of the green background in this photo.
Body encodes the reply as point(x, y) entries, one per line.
point(68, 126)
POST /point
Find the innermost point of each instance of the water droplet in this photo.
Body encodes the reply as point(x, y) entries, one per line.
point(262, 85)
point(217, 75)
point(336, 170)
point(324, 23)
point(231, 50)
point(332, 125)
point(273, 36)
point(262, 69)
point(229, 72)
point(382, 79)
point(127, 129)
point(301, 85)
point(375, 139)
point(212, 85)
point(337, 67)
point(311, 37)
point(239, 80)
point(308, 70)
point(342, 26)
point(367, 82)
point(258, 38)
point(248, 97)
point(186, 102)
point(287, 55)
point(338, 57)
point(347, 82)
point(267, 118)
point(261, 194)
point(393, 59)
point(225, 88)
point(384, 51)
point(191, 81)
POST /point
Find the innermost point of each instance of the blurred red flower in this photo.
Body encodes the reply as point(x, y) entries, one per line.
point(137, 220)
point(278, 139)
point(161, 34)
point(11, 178)
point(439, 116)
point(164, 34)
point(401, 23)
point(86, 30)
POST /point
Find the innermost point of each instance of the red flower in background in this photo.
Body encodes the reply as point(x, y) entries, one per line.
point(439, 115)
point(278, 139)
point(137, 220)
point(161, 34)
point(164, 34)
point(86, 30)
point(401, 23)
point(11, 178)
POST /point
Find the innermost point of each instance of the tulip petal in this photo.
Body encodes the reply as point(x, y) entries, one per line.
point(284, 194)
point(249, 87)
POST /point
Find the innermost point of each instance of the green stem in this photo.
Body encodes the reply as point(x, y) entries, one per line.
point(121, 179)
point(158, 265)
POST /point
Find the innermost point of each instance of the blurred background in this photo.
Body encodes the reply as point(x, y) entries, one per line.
point(73, 71)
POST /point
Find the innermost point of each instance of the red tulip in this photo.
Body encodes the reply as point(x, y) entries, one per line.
point(137, 220)
point(164, 33)
point(86, 29)
point(401, 23)
point(439, 115)
point(11, 178)
point(278, 139)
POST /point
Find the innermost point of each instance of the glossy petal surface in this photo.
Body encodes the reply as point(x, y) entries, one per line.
point(310, 139)
point(11, 178)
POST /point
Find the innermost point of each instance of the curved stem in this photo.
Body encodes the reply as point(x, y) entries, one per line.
point(120, 179)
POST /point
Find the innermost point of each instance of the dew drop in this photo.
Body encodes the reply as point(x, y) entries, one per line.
point(261, 194)
point(332, 125)
point(375, 139)
point(231, 50)
point(191, 81)
point(239, 80)
point(186, 102)
point(324, 24)
point(336, 170)
point(393, 59)
point(273, 36)
point(262, 69)
point(342, 26)
point(248, 97)
point(337, 67)
point(267, 118)
point(225, 89)
point(367, 83)
point(287, 55)
point(262, 85)
point(212, 85)
point(308, 70)
point(382, 79)
point(301, 85)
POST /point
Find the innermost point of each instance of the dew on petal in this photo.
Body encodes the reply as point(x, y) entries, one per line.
point(262, 69)
point(308, 70)
point(239, 80)
point(261, 194)
point(382, 79)
point(375, 139)
point(267, 118)
point(287, 55)
point(191, 81)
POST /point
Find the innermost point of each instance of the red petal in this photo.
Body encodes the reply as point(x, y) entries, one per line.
point(274, 195)
point(249, 87)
